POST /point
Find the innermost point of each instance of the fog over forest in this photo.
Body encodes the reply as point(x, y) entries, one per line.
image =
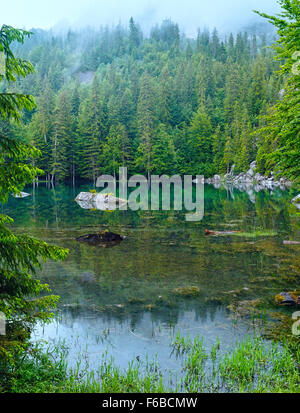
point(226, 16)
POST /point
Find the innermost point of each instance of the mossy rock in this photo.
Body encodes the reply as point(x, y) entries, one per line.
point(187, 291)
point(246, 307)
point(288, 299)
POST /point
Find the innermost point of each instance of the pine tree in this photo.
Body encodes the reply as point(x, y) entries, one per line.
point(41, 129)
point(215, 44)
point(91, 132)
point(246, 148)
point(20, 293)
point(257, 91)
point(232, 92)
point(164, 156)
point(231, 48)
point(116, 150)
point(146, 119)
point(62, 153)
point(280, 136)
point(228, 151)
point(134, 35)
point(218, 149)
point(200, 142)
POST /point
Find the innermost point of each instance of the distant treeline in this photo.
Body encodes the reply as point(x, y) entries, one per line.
point(157, 104)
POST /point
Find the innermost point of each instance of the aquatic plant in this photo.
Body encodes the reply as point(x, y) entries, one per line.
point(254, 365)
point(188, 291)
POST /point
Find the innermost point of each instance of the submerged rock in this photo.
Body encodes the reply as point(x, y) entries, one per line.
point(216, 233)
point(287, 299)
point(88, 277)
point(101, 239)
point(187, 291)
point(246, 307)
point(291, 242)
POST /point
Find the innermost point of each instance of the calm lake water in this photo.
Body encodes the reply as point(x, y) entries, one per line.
point(123, 300)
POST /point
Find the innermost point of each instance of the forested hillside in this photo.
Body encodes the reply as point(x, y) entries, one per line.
point(161, 103)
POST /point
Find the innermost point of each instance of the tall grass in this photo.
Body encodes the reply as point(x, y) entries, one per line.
point(254, 365)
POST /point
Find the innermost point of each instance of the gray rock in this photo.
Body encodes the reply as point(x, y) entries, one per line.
point(255, 181)
point(22, 195)
point(103, 202)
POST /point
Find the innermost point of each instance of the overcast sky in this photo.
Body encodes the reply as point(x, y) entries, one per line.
point(226, 15)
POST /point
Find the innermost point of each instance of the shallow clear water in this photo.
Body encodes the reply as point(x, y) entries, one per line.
point(122, 299)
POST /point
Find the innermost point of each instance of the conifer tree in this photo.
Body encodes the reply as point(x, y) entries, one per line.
point(257, 91)
point(146, 118)
point(62, 153)
point(116, 150)
point(228, 151)
point(200, 142)
point(164, 156)
point(280, 136)
point(91, 132)
point(134, 35)
point(218, 149)
point(20, 292)
point(41, 129)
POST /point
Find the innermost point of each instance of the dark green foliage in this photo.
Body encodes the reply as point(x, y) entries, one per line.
point(279, 136)
point(20, 255)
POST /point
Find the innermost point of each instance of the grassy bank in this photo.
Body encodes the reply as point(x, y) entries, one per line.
point(252, 366)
